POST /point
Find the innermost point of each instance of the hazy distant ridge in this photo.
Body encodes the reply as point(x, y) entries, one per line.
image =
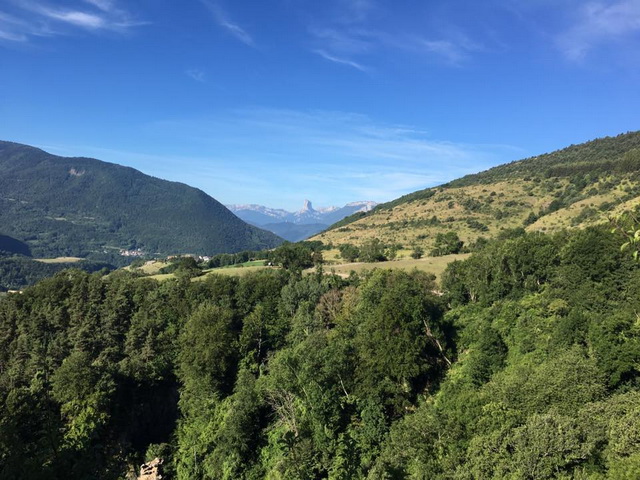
point(294, 226)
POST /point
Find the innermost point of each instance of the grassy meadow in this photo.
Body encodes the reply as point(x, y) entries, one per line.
point(435, 265)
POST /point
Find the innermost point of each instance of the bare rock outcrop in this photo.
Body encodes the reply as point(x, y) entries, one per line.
point(151, 470)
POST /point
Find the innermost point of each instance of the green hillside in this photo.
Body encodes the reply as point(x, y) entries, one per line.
point(604, 156)
point(575, 187)
point(83, 207)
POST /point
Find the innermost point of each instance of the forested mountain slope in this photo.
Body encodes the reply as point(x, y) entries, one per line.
point(85, 208)
point(574, 187)
point(526, 368)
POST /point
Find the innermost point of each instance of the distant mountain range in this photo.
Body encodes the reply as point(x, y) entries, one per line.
point(304, 223)
point(53, 206)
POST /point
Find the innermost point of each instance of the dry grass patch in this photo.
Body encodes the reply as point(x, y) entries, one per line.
point(235, 272)
point(152, 267)
point(59, 260)
point(497, 206)
point(435, 265)
point(161, 277)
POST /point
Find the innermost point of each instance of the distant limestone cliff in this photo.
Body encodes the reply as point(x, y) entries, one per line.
point(294, 226)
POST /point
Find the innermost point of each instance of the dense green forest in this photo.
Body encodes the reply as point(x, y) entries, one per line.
point(17, 272)
point(607, 155)
point(522, 364)
point(55, 206)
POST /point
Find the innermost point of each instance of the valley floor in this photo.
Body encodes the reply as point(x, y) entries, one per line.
point(435, 265)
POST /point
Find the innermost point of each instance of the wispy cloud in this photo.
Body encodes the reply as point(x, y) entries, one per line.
point(599, 24)
point(355, 11)
point(453, 50)
point(341, 61)
point(339, 38)
point(363, 40)
point(345, 41)
point(80, 19)
point(104, 5)
point(36, 19)
point(340, 46)
point(13, 29)
point(223, 20)
point(197, 75)
point(11, 36)
point(331, 157)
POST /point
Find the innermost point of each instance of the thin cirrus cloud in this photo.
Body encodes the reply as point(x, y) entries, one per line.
point(104, 5)
point(197, 75)
point(340, 41)
point(345, 41)
point(352, 38)
point(28, 19)
point(341, 61)
point(339, 46)
point(343, 47)
point(453, 51)
point(577, 29)
point(247, 155)
point(224, 21)
point(354, 11)
point(13, 29)
point(80, 19)
point(349, 155)
point(599, 24)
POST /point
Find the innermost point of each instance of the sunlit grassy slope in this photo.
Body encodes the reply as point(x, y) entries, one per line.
point(59, 260)
point(235, 271)
point(435, 265)
point(571, 188)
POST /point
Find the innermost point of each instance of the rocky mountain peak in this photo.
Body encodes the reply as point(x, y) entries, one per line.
point(308, 207)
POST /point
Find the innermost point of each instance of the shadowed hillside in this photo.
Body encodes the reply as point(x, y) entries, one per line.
point(85, 207)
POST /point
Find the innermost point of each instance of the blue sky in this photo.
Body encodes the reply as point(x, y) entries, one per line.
point(275, 101)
